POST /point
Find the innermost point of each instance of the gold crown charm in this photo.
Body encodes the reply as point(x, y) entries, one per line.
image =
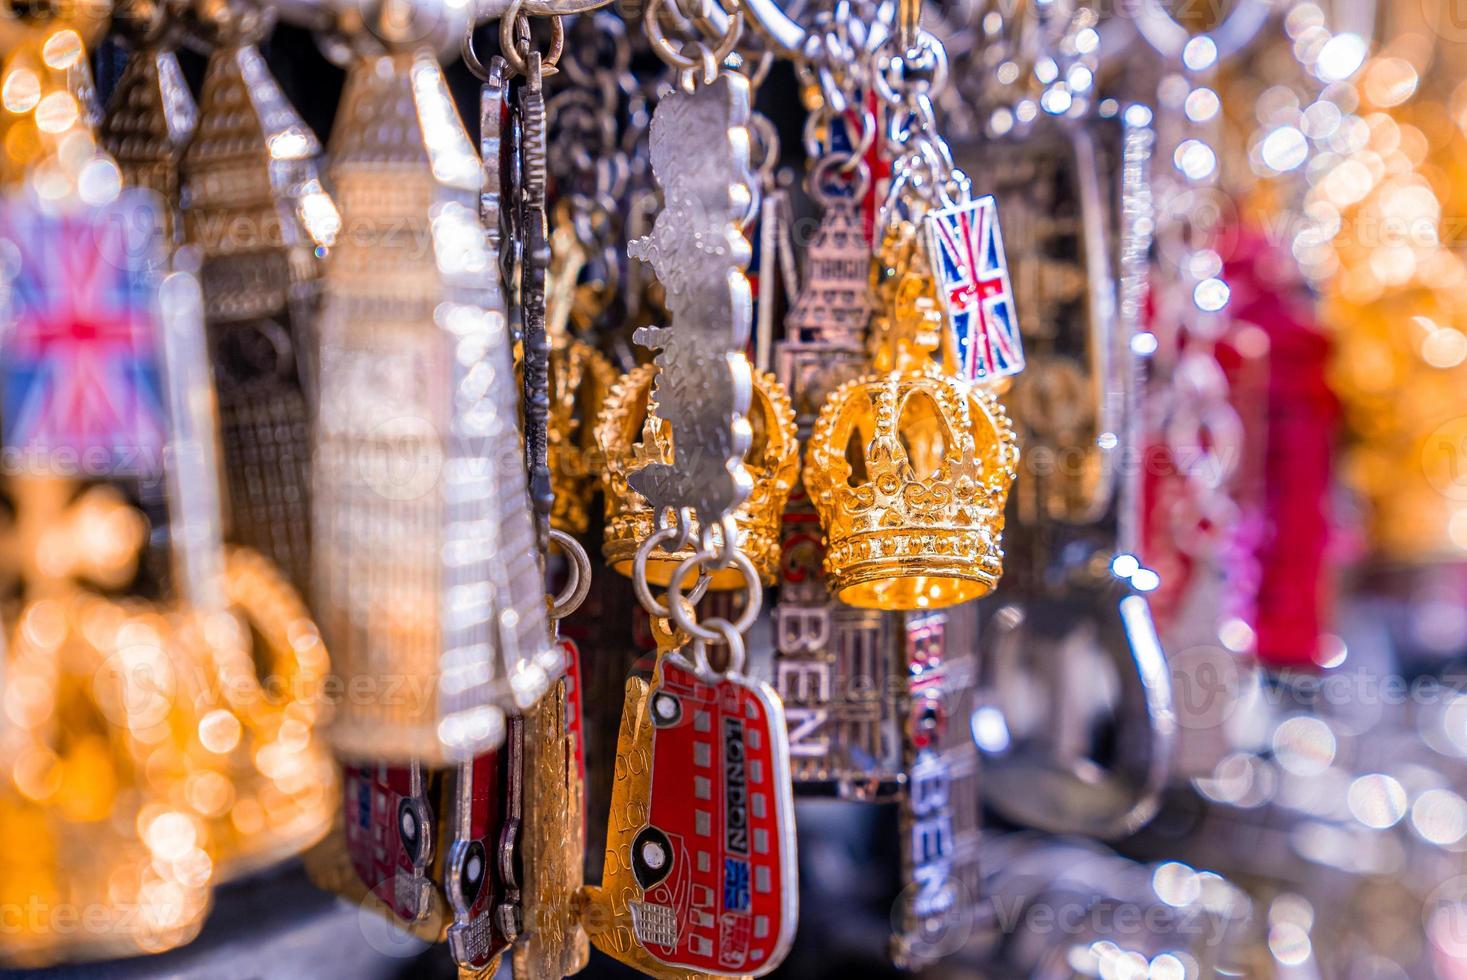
point(910, 469)
point(910, 472)
point(580, 377)
point(773, 461)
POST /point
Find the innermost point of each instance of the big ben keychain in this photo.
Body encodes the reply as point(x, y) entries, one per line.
point(254, 205)
point(426, 557)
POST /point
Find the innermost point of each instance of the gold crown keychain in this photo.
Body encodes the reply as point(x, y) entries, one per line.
point(910, 469)
point(773, 461)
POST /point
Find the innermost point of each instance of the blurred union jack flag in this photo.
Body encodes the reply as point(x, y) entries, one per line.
point(973, 281)
point(81, 347)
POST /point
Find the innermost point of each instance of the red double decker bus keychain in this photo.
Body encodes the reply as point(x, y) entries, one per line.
point(700, 874)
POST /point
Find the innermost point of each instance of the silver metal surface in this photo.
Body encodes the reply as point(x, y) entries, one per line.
point(254, 206)
point(427, 567)
point(700, 156)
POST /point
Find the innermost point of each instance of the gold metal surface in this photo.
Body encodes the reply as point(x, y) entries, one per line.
point(910, 469)
point(773, 461)
point(553, 847)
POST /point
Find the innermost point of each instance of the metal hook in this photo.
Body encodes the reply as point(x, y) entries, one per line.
point(579, 584)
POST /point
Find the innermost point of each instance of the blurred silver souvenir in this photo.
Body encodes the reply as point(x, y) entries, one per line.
point(422, 520)
point(938, 815)
point(254, 205)
point(1064, 907)
point(1076, 719)
point(151, 114)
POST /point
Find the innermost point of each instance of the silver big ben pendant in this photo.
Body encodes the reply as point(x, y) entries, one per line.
point(254, 205)
point(422, 516)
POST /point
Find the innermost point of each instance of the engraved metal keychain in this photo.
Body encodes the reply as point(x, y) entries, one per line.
point(426, 543)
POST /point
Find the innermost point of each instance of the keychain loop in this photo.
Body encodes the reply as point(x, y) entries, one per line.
point(578, 585)
point(763, 147)
point(825, 172)
point(899, 78)
point(679, 614)
point(727, 634)
point(704, 58)
point(639, 576)
point(476, 67)
point(864, 138)
point(587, 62)
point(515, 41)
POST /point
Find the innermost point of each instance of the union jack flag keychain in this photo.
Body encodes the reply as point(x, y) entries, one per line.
point(966, 249)
point(82, 380)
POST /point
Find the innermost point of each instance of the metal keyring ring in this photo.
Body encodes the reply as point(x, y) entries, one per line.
point(639, 576)
point(720, 540)
point(674, 55)
point(887, 54)
point(957, 190)
point(476, 67)
point(765, 138)
point(729, 637)
point(836, 163)
point(515, 20)
point(815, 147)
point(579, 586)
point(760, 70)
point(678, 611)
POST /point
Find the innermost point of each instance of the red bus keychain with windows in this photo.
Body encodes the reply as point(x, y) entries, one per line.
point(707, 885)
point(389, 828)
point(700, 872)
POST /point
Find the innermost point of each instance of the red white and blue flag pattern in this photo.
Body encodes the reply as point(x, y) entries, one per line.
point(81, 347)
point(973, 281)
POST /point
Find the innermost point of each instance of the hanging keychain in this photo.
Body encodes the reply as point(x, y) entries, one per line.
point(551, 859)
point(254, 206)
point(700, 883)
point(420, 510)
point(514, 865)
point(920, 523)
point(427, 550)
point(151, 114)
point(834, 663)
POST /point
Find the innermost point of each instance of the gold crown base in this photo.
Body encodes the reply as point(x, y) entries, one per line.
point(625, 535)
point(890, 569)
